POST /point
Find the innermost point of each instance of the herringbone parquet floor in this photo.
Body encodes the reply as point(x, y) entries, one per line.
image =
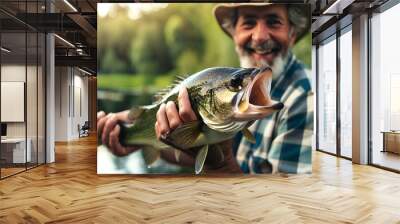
point(70, 191)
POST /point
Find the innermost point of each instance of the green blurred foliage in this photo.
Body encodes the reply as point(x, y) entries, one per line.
point(181, 35)
point(135, 83)
point(302, 50)
point(114, 33)
point(176, 40)
point(112, 64)
point(187, 62)
point(149, 52)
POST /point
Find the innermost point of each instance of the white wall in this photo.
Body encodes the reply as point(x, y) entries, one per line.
point(61, 103)
point(71, 94)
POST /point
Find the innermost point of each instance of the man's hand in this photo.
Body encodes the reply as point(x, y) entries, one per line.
point(108, 130)
point(169, 117)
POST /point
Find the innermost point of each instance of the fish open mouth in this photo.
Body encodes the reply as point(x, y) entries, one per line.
point(255, 102)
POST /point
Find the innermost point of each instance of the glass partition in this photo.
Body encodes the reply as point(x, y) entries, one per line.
point(22, 77)
point(327, 95)
point(13, 95)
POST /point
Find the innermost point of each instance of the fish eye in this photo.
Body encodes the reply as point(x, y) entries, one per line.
point(236, 83)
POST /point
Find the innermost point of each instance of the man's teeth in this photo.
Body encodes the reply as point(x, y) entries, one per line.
point(262, 51)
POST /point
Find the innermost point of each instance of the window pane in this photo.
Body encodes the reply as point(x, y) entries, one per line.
point(327, 97)
point(385, 84)
point(345, 94)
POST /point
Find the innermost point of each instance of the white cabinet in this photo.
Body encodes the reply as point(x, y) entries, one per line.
point(17, 148)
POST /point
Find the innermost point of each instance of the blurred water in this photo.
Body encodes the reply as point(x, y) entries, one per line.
point(116, 100)
point(108, 163)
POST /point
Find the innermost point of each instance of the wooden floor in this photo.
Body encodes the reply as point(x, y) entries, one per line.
point(10, 171)
point(70, 191)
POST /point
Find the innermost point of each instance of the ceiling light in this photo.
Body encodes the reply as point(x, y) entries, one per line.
point(332, 9)
point(70, 5)
point(64, 40)
point(337, 7)
point(84, 71)
point(5, 50)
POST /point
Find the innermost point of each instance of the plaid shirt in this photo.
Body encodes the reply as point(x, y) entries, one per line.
point(283, 139)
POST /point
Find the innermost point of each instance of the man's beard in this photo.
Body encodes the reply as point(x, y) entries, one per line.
point(246, 60)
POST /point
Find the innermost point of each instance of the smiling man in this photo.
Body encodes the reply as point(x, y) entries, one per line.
point(264, 34)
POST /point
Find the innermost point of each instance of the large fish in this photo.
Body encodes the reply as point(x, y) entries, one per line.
point(226, 101)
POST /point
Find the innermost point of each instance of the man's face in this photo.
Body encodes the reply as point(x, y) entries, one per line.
point(263, 36)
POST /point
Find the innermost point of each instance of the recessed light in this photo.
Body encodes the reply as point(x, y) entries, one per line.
point(71, 6)
point(84, 71)
point(5, 50)
point(64, 40)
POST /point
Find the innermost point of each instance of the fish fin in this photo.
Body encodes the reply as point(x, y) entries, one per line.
point(177, 154)
point(163, 92)
point(150, 155)
point(159, 96)
point(135, 112)
point(180, 78)
point(184, 136)
point(200, 159)
point(248, 135)
point(177, 81)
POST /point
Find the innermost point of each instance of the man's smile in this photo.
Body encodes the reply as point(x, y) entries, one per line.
point(268, 57)
point(266, 51)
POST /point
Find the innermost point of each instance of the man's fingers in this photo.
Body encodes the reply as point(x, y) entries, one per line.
point(108, 127)
point(114, 143)
point(172, 115)
point(100, 115)
point(169, 117)
point(185, 109)
point(115, 146)
point(163, 124)
point(100, 124)
point(157, 130)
